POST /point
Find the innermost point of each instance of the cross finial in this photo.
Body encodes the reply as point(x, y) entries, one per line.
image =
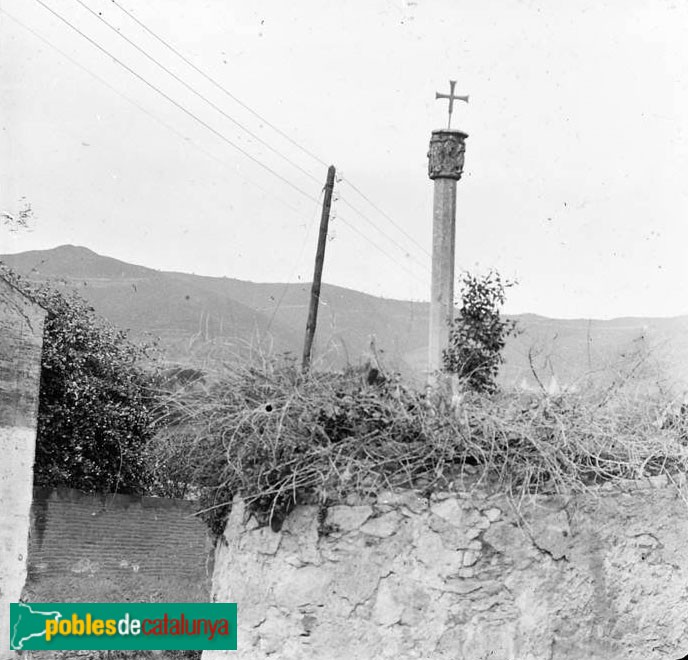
point(452, 98)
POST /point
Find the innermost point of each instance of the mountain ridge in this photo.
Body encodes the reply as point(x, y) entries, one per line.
point(203, 319)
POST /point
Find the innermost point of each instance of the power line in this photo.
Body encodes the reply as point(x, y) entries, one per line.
point(218, 85)
point(215, 158)
point(244, 105)
point(149, 114)
point(389, 238)
point(381, 212)
point(197, 93)
point(257, 115)
point(378, 248)
point(217, 133)
point(176, 103)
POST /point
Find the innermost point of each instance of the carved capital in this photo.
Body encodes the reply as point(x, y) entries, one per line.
point(445, 157)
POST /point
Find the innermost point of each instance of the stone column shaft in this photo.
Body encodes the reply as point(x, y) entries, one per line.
point(445, 167)
point(443, 252)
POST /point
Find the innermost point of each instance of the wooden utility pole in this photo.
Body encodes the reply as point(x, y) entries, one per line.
point(445, 166)
point(317, 274)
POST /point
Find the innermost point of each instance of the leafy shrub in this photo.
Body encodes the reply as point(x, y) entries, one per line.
point(96, 398)
point(479, 333)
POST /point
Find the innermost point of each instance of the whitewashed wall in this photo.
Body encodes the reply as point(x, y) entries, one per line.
point(21, 341)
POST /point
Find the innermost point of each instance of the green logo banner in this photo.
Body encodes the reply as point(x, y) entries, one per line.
point(123, 626)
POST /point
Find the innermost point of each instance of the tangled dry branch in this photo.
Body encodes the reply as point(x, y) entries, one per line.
point(278, 438)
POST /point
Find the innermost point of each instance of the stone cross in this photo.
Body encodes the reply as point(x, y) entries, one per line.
point(452, 98)
point(445, 167)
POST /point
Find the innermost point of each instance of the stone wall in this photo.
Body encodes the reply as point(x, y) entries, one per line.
point(79, 534)
point(21, 343)
point(464, 577)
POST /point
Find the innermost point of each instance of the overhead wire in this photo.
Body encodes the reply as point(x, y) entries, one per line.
point(259, 116)
point(378, 248)
point(218, 85)
point(203, 123)
point(391, 240)
point(381, 212)
point(194, 91)
point(222, 136)
point(139, 107)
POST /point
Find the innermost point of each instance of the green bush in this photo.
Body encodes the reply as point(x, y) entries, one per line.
point(478, 334)
point(96, 398)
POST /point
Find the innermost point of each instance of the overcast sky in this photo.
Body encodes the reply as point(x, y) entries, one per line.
point(575, 180)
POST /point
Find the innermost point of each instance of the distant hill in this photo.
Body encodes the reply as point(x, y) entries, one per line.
point(201, 320)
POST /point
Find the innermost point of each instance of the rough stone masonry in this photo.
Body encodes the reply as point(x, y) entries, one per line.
point(463, 576)
point(21, 343)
